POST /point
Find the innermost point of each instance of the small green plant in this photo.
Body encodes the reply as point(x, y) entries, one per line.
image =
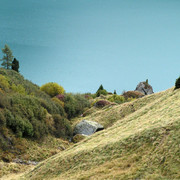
point(177, 83)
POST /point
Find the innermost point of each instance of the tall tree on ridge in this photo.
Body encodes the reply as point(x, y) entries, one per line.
point(7, 58)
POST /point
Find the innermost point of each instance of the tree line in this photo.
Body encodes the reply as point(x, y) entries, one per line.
point(8, 60)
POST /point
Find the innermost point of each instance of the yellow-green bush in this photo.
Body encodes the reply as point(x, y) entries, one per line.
point(4, 84)
point(52, 89)
point(117, 99)
point(19, 89)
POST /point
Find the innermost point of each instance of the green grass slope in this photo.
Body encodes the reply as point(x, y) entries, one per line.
point(142, 144)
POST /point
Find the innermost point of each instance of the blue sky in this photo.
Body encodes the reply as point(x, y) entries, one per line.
point(81, 44)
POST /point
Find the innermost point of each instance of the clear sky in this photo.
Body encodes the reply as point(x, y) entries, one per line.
point(81, 44)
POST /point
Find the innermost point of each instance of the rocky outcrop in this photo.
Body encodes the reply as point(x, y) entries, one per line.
point(144, 88)
point(20, 161)
point(86, 127)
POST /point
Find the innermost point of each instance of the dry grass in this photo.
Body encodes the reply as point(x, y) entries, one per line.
point(33, 151)
point(143, 143)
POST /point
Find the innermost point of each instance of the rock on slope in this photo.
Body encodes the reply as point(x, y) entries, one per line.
point(144, 88)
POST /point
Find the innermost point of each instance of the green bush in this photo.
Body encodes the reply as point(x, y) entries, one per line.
point(27, 111)
point(4, 84)
point(22, 127)
point(2, 119)
point(103, 92)
point(177, 83)
point(52, 89)
point(117, 99)
point(4, 101)
point(63, 127)
point(74, 104)
point(18, 89)
point(70, 105)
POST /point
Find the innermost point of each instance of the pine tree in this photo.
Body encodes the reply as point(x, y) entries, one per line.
point(15, 65)
point(101, 87)
point(7, 58)
point(115, 92)
point(100, 91)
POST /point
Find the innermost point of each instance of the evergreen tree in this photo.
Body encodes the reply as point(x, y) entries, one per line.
point(177, 83)
point(100, 91)
point(15, 65)
point(115, 92)
point(7, 58)
point(100, 87)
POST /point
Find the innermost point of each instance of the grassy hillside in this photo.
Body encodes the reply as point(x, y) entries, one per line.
point(143, 143)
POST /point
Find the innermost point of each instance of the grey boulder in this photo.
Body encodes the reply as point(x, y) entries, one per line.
point(86, 127)
point(144, 88)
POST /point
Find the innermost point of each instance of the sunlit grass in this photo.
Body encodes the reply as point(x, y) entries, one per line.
point(142, 144)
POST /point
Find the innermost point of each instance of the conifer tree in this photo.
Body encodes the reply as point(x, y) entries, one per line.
point(7, 58)
point(15, 65)
point(100, 91)
point(115, 92)
point(101, 87)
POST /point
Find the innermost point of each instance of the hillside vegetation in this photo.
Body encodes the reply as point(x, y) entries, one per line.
point(28, 119)
point(142, 142)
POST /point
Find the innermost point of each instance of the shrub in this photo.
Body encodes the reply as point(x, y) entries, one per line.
point(4, 84)
point(22, 127)
point(75, 104)
point(81, 103)
point(117, 99)
point(26, 117)
point(56, 100)
point(39, 127)
point(2, 119)
point(52, 89)
point(177, 83)
point(61, 97)
point(4, 101)
point(101, 103)
point(104, 92)
point(52, 107)
point(63, 127)
point(70, 105)
point(19, 89)
point(132, 94)
point(9, 118)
